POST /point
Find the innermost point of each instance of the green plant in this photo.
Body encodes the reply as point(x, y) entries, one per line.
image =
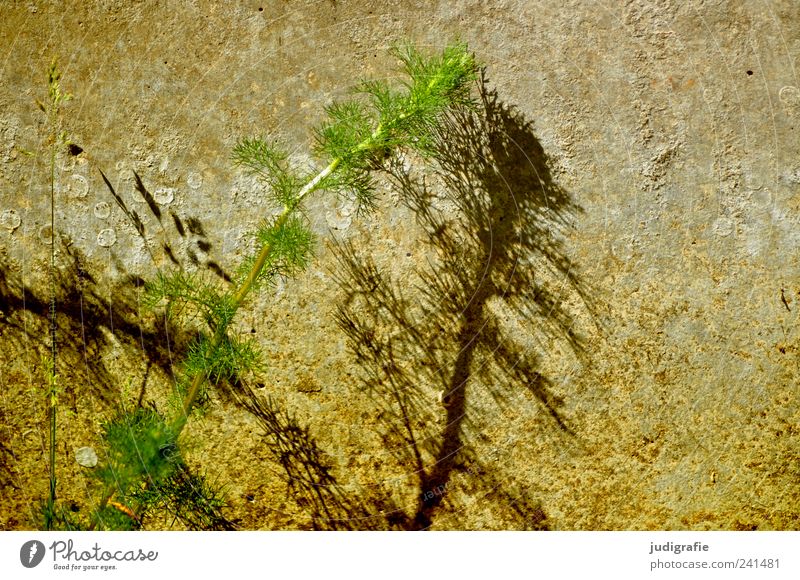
point(51, 393)
point(56, 140)
point(144, 471)
point(358, 135)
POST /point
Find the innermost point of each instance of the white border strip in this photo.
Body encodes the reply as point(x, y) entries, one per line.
point(410, 555)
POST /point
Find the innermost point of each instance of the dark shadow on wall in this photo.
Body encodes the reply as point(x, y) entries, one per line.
point(307, 473)
point(86, 317)
point(498, 242)
point(92, 322)
point(93, 318)
point(495, 218)
point(87, 313)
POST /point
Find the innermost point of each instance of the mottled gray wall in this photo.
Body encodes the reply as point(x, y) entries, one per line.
point(664, 393)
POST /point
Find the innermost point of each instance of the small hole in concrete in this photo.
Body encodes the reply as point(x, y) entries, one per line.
point(749, 73)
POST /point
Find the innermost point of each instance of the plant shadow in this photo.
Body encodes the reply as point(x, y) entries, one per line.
point(494, 219)
point(483, 314)
point(307, 473)
point(91, 321)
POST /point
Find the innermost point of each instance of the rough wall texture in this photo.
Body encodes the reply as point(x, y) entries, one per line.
point(586, 319)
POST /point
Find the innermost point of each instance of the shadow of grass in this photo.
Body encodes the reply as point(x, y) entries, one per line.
point(87, 317)
point(92, 319)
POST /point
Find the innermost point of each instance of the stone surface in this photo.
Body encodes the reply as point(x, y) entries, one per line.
point(619, 342)
point(86, 457)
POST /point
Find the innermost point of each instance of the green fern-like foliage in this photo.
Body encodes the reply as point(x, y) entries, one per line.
point(144, 474)
point(140, 447)
point(359, 132)
point(144, 467)
point(224, 361)
point(291, 244)
point(187, 296)
point(270, 163)
point(188, 497)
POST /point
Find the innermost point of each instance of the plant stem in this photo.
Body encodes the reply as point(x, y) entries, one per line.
point(51, 372)
point(51, 389)
point(261, 260)
point(249, 282)
point(377, 140)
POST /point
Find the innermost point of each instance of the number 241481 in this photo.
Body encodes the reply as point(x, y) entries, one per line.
point(756, 563)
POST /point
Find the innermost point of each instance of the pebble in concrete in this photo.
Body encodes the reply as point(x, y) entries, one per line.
point(164, 195)
point(10, 220)
point(790, 95)
point(78, 186)
point(46, 235)
point(102, 210)
point(86, 457)
point(107, 238)
point(194, 180)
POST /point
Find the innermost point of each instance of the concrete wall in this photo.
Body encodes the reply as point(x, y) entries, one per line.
point(605, 276)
